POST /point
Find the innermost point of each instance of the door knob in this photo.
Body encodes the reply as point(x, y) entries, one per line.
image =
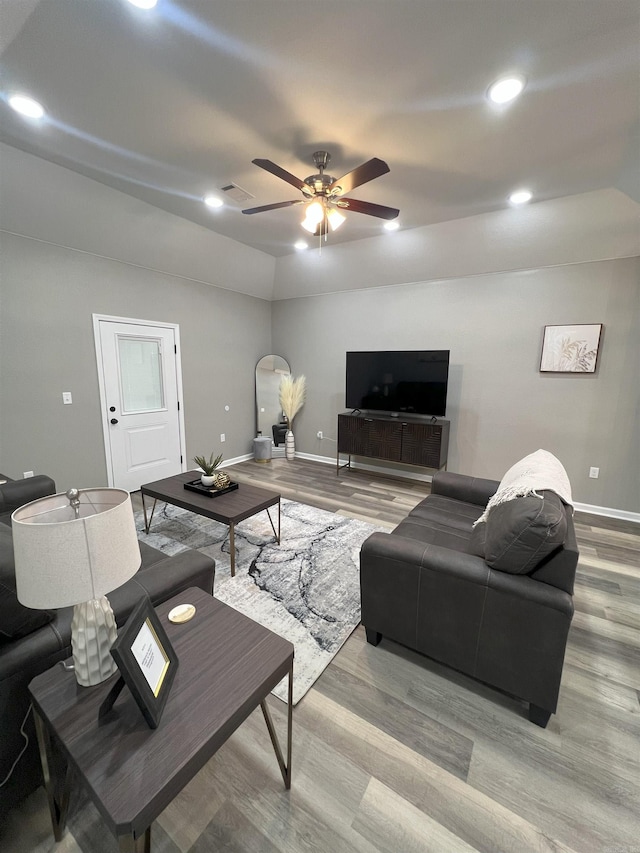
point(114, 420)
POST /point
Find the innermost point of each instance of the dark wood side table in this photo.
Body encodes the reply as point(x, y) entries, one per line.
point(229, 509)
point(228, 664)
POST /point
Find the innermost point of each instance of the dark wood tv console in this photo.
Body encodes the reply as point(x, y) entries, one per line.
point(408, 439)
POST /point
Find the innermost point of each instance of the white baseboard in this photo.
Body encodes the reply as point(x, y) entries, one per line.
point(622, 514)
point(375, 469)
point(236, 459)
point(608, 512)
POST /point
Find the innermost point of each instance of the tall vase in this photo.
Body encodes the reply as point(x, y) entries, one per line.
point(289, 446)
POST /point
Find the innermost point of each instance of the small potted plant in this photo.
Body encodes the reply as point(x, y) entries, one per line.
point(211, 478)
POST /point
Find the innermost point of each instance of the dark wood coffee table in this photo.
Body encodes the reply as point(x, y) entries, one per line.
point(228, 664)
point(230, 508)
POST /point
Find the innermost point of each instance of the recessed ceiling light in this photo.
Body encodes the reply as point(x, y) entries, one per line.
point(392, 225)
point(143, 4)
point(213, 201)
point(26, 106)
point(520, 196)
point(506, 89)
point(300, 245)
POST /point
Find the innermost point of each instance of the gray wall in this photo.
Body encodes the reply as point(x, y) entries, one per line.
point(500, 406)
point(48, 296)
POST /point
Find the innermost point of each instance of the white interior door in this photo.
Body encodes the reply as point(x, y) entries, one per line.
point(140, 390)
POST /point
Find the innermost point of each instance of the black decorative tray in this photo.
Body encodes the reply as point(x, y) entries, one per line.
point(209, 491)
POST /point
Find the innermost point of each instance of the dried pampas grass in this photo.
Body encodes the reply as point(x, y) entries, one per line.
point(292, 394)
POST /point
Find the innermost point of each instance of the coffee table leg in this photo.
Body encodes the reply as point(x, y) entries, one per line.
point(57, 810)
point(147, 524)
point(285, 769)
point(277, 535)
point(232, 548)
point(129, 844)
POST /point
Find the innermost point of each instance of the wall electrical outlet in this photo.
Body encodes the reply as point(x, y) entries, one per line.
point(222, 437)
point(27, 474)
point(319, 434)
point(594, 473)
point(66, 398)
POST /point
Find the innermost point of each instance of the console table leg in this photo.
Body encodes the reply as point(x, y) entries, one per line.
point(285, 768)
point(57, 810)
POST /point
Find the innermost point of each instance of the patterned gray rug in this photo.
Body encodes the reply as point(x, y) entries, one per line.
point(307, 589)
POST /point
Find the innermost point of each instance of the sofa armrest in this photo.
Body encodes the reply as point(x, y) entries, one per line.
point(397, 552)
point(474, 490)
point(396, 573)
point(163, 580)
point(17, 493)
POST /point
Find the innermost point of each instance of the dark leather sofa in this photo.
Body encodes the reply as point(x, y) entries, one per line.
point(494, 601)
point(32, 641)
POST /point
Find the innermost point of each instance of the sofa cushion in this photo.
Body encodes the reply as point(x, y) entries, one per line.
point(432, 533)
point(521, 533)
point(15, 619)
point(453, 513)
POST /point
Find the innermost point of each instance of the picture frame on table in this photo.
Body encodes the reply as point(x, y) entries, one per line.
point(571, 349)
point(147, 663)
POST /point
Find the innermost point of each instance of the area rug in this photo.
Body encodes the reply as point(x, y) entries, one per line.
point(307, 589)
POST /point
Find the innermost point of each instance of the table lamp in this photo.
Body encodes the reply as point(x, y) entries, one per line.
point(72, 549)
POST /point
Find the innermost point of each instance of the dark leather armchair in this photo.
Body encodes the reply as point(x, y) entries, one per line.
point(279, 433)
point(32, 641)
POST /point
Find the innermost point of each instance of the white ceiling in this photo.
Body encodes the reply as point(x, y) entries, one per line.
point(171, 104)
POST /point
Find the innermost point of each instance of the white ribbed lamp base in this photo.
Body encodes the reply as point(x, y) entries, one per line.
point(93, 631)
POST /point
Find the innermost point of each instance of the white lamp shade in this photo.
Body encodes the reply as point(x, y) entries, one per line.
point(62, 560)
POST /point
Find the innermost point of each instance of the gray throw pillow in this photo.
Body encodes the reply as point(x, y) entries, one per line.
point(521, 533)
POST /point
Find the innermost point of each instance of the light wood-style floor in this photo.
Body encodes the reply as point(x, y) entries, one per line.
point(394, 753)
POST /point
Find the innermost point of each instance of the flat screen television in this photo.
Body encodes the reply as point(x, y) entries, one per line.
point(411, 382)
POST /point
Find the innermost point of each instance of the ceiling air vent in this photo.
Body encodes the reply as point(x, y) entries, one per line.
point(236, 193)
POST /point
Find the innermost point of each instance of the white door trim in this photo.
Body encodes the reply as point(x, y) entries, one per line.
point(97, 319)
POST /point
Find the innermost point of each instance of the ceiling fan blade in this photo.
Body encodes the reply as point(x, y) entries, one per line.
point(368, 207)
point(279, 172)
point(360, 175)
point(273, 206)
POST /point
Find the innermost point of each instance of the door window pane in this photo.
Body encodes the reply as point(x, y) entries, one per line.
point(140, 361)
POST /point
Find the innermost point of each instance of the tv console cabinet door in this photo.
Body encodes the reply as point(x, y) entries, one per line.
point(353, 435)
point(424, 444)
point(385, 439)
point(371, 437)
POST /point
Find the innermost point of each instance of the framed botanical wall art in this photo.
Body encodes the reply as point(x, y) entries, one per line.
point(570, 349)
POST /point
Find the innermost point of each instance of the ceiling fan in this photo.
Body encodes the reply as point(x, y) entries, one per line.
point(324, 195)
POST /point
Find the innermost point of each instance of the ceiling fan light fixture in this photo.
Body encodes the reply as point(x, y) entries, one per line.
point(315, 212)
point(335, 218)
point(506, 89)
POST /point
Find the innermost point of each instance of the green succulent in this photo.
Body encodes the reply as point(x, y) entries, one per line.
point(208, 465)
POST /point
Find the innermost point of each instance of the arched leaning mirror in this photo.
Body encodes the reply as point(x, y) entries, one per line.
point(269, 371)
